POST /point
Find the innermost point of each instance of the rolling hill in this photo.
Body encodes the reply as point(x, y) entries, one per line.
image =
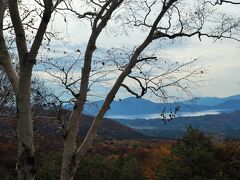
point(225, 125)
point(109, 129)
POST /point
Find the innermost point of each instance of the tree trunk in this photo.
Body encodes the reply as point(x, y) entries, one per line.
point(5, 60)
point(70, 146)
point(26, 159)
point(68, 160)
point(22, 83)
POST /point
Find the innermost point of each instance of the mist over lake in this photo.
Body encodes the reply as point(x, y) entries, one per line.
point(180, 114)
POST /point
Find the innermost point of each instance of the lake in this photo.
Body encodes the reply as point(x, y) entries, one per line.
point(158, 115)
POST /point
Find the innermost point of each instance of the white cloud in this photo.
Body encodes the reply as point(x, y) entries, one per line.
point(221, 58)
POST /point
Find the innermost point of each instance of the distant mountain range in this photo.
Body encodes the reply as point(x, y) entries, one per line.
point(224, 125)
point(133, 106)
point(213, 101)
point(145, 116)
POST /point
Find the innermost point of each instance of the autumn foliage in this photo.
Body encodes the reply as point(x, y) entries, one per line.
point(195, 156)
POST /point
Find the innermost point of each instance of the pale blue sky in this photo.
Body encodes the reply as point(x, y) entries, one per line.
point(221, 59)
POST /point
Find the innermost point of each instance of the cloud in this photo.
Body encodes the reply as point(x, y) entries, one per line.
point(221, 58)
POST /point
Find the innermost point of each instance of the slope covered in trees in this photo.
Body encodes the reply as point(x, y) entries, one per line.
point(224, 125)
point(194, 156)
point(43, 128)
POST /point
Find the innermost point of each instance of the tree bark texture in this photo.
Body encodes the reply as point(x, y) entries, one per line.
point(69, 155)
point(21, 83)
point(26, 154)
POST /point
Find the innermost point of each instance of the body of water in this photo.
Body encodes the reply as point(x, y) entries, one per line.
point(158, 115)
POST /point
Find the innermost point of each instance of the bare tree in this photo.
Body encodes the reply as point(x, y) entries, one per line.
point(21, 82)
point(41, 97)
point(6, 96)
point(220, 2)
point(161, 20)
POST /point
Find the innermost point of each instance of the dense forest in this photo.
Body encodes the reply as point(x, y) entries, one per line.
point(195, 156)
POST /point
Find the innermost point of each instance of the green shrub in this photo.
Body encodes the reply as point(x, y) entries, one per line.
point(97, 167)
point(49, 168)
point(193, 158)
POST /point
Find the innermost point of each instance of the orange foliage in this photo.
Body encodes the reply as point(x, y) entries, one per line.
point(154, 161)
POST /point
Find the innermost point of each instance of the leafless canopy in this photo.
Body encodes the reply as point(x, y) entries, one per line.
point(137, 69)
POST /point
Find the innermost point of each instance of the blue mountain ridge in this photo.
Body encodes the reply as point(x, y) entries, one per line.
point(212, 101)
point(134, 106)
point(225, 125)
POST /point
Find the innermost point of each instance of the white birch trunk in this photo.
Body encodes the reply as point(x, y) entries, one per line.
point(22, 83)
point(26, 153)
point(69, 147)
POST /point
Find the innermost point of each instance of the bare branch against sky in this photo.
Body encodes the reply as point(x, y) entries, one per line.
point(217, 56)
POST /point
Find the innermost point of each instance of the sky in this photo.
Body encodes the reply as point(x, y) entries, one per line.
point(220, 59)
point(222, 63)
